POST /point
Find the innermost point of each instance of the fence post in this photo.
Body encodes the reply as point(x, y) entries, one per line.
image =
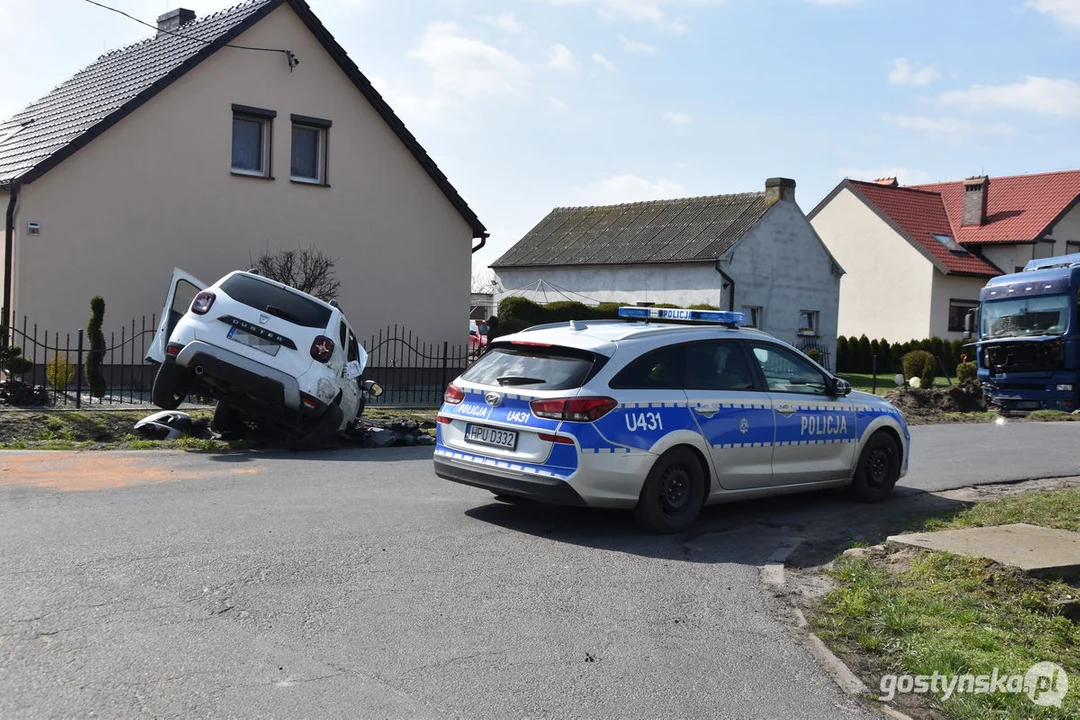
point(874, 388)
point(445, 359)
point(79, 372)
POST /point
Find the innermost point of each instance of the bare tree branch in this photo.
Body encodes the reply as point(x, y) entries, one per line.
point(308, 269)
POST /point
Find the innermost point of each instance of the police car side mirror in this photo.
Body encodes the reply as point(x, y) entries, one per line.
point(839, 387)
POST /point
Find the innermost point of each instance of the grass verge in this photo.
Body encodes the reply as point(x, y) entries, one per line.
point(911, 613)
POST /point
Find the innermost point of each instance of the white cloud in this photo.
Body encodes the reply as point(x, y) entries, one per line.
point(562, 58)
point(677, 118)
point(945, 125)
point(505, 21)
point(1067, 12)
point(905, 176)
point(603, 62)
point(1039, 95)
point(636, 47)
point(835, 2)
point(630, 188)
point(557, 103)
point(650, 10)
point(904, 73)
point(467, 67)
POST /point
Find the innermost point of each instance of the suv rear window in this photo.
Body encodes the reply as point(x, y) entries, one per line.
point(542, 368)
point(276, 301)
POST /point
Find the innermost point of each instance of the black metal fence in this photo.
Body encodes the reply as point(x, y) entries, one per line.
point(817, 350)
point(57, 374)
point(412, 373)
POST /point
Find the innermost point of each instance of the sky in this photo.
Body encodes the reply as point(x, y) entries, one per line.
point(527, 105)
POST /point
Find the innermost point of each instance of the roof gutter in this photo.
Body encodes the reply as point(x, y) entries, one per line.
point(483, 241)
point(9, 253)
point(729, 283)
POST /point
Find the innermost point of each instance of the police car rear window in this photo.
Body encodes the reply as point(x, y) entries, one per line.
point(276, 301)
point(536, 367)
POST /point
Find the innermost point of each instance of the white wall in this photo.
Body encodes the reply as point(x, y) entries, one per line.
point(155, 191)
point(782, 267)
point(946, 288)
point(887, 287)
point(678, 284)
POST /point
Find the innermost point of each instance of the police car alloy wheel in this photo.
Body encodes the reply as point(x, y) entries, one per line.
point(662, 418)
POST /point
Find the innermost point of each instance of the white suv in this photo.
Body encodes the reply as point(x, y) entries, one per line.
point(265, 351)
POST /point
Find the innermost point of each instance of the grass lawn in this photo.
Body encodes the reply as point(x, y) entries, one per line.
point(865, 381)
point(923, 613)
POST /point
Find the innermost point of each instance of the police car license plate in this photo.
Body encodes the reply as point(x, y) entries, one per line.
point(267, 346)
point(483, 435)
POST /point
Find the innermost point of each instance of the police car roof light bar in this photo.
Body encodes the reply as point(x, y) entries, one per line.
point(723, 317)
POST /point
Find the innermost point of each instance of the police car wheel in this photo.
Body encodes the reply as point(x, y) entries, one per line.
point(878, 469)
point(673, 493)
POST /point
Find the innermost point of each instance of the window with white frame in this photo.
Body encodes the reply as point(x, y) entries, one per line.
point(808, 322)
point(753, 315)
point(251, 140)
point(308, 158)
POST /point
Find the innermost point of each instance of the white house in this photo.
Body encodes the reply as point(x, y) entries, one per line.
point(916, 256)
point(754, 252)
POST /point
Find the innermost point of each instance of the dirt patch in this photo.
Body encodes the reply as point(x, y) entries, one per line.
point(82, 472)
point(939, 404)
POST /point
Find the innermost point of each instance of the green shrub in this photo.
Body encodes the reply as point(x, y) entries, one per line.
point(843, 355)
point(59, 372)
point(967, 372)
point(96, 356)
point(920, 364)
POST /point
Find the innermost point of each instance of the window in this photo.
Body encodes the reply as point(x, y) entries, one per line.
point(949, 244)
point(753, 315)
point(808, 322)
point(662, 369)
point(543, 368)
point(1072, 246)
point(787, 372)
point(251, 141)
point(957, 310)
point(717, 366)
point(278, 301)
point(308, 158)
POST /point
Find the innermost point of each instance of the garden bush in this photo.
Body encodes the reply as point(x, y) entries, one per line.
point(59, 372)
point(967, 372)
point(920, 364)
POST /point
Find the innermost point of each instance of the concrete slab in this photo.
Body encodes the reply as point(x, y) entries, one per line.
point(1038, 551)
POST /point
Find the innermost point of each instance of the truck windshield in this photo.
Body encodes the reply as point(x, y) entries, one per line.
point(1018, 317)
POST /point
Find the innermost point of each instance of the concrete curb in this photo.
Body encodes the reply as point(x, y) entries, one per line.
point(772, 575)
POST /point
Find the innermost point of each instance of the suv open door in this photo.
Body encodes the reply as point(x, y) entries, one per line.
point(182, 290)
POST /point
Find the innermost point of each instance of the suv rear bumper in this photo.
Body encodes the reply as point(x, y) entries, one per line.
point(269, 385)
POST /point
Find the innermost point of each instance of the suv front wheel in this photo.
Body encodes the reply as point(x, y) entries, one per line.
point(319, 434)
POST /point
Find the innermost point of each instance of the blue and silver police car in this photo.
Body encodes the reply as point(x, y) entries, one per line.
point(663, 418)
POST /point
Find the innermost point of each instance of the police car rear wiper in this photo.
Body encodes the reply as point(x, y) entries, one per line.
point(519, 380)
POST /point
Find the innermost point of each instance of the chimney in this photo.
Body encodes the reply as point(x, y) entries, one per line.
point(174, 19)
point(777, 189)
point(975, 200)
point(887, 182)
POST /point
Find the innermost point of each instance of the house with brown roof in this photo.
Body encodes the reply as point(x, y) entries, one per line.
point(752, 252)
point(210, 143)
point(917, 255)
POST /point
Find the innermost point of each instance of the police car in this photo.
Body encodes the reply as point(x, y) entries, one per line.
point(662, 418)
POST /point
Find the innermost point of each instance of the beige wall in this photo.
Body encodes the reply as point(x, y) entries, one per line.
point(886, 289)
point(155, 191)
point(1066, 230)
point(946, 288)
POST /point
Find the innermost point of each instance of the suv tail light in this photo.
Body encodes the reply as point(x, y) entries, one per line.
point(587, 409)
point(203, 302)
point(322, 349)
point(453, 394)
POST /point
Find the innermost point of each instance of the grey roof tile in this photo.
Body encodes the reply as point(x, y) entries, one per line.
point(657, 231)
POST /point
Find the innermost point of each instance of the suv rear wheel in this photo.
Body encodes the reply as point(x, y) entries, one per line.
point(170, 386)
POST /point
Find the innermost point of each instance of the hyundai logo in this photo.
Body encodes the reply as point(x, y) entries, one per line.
point(493, 399)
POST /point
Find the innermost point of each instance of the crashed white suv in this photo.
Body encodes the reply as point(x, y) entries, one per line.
point(265, 351)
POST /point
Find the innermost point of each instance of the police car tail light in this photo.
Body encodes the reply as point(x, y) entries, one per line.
point(203, 302)
point(587, 409)
point(453, 394)
point(322, 349)
point(561, 439)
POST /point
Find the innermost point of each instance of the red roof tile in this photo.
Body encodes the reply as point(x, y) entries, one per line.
point(918, 213)
point(1018, 208)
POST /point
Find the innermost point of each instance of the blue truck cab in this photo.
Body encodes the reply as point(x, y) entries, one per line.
point(1029, 337)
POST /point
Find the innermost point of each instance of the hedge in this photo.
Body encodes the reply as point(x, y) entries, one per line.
point(518, 313)
point(856, 355)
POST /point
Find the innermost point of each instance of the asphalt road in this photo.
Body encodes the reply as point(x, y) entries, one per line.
point(356, 584)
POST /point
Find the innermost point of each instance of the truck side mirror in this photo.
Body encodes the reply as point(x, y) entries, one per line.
point(969, 324)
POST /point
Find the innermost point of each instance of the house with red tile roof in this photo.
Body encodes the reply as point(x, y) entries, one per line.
point(917, 255)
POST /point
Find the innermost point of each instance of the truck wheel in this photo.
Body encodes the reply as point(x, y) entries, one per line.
point(170, 386)
point(673, 493)
point(878, 469)
point(321, 434)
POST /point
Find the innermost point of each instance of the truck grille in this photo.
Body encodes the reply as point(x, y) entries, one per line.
point(1024, 356)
